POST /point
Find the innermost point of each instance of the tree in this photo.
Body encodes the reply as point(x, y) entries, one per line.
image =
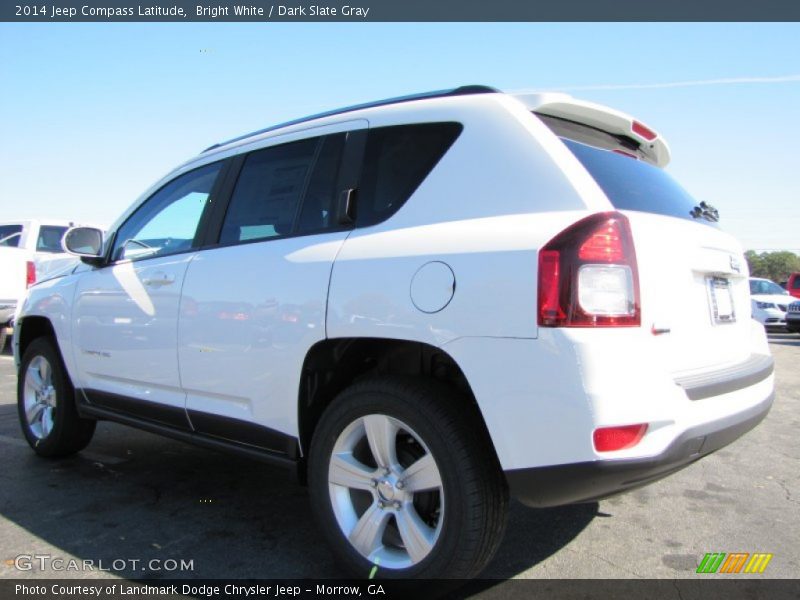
point(776, 266)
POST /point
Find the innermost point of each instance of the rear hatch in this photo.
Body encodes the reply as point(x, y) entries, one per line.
point(695, 302)
point(12, 263)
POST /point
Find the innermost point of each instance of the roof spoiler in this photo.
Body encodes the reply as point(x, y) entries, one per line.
point(563, 106)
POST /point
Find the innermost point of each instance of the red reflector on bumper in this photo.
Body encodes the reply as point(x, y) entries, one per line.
point(608, 439)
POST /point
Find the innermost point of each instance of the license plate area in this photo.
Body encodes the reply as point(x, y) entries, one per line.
point(720, 299)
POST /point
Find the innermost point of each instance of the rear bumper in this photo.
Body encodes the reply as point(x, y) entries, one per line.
point(590, 481)
point(7, 310)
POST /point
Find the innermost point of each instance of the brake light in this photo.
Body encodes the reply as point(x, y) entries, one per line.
point(30, 273)
point(588, 276)
point(643, 131)
point(609, 439)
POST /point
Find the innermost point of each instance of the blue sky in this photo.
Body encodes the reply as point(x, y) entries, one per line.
point(92, 114)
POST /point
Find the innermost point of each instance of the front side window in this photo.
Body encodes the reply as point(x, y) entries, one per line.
point(10, 235)
point(167, 222)
point(50, 239)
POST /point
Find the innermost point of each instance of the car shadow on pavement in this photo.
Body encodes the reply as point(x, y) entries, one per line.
point(132, 502)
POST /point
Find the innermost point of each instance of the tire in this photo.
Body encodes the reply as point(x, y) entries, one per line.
point(46, 403)
point(440, 509)
point(3, 337)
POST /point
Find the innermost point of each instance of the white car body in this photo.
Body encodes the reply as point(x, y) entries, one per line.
point(33, 241)
point(455, 270)
point(769, 309)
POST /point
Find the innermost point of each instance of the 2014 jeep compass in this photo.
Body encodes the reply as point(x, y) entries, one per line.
point(420, 304)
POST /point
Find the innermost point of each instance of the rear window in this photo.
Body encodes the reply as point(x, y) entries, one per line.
point(10, 235)
point(50, 239)
point(632, 184)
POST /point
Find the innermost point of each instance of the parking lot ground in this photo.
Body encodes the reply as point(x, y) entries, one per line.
point(135, 497)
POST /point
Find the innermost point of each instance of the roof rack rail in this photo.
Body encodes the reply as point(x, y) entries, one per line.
point(464, 90)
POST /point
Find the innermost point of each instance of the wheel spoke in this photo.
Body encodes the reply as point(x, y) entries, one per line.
point(34, 413)
point(367, 534)
point(45, 373)
point(381, 435)
point(350, 473)
point(422, 475)
point(417, 537)
point(47, 421)
point(33, 379)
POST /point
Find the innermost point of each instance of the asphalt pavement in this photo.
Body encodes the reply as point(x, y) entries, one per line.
point(137, 505)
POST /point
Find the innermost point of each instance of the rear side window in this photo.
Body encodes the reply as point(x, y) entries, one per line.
point(10, 236)
point(796, 283)
point(50, 239)
point(284, 190)
point(397, 160)
point(632, 184)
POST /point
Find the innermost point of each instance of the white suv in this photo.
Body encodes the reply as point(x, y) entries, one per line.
point(29, 251)
point(419, 305)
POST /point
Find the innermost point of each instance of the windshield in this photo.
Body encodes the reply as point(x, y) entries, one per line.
point(50, 239)
point(10, 235)
point(633, 184)
point(763, 286)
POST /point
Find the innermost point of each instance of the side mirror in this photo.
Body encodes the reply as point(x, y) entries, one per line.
point(86, 242)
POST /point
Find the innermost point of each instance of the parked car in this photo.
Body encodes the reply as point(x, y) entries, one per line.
point(793, 285)
point(29, 251)
point(417, 305)
point(769, 302)
point(793, 317)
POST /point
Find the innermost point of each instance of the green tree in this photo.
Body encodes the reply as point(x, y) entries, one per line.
point(776, 266)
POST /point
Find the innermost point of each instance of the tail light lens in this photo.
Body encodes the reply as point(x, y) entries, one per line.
point(30, 273)
point(608, 439)
point(588, 275)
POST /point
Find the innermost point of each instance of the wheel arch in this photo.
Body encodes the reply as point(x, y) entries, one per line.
point(31, 328)
point(331, 365)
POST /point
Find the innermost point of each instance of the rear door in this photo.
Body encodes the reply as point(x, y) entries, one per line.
point(693, 275)
point(125, 316)
point(255, 301)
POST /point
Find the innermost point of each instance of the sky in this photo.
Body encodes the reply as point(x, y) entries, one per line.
point(92, 114)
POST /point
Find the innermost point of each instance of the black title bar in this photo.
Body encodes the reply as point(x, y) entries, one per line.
point(259, 11)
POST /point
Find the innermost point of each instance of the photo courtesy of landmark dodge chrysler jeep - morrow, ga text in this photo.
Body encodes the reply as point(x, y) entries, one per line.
point(422, 305)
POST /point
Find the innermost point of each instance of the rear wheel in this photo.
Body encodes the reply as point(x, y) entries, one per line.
point(46, 403)
point(404, 484)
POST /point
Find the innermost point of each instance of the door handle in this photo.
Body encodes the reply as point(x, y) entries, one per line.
point(158, 279)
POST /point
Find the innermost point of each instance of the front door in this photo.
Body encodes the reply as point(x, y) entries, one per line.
point(125, 320)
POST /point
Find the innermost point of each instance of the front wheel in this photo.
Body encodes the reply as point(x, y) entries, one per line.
point(46, 403)
point(404, 482)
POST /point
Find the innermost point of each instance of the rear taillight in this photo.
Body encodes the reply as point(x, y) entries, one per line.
point(30, 273)
point(588, 275)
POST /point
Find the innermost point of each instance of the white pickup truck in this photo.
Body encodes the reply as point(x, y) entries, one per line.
point(30, 251)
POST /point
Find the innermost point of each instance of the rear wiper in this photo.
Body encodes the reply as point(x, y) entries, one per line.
point(705, 211)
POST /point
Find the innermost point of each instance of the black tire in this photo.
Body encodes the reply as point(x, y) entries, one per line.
point(473, 488)
point(68, 432)
point(3, 337)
